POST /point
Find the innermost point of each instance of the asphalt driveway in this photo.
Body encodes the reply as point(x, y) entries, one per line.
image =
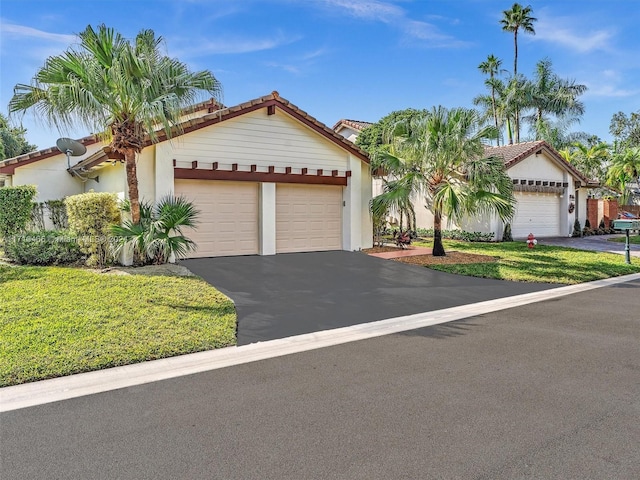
point(290, 294)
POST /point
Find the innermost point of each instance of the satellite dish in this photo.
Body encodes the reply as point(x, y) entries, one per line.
point(71, 148)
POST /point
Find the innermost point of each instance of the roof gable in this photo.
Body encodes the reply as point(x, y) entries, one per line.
point(211, 116)
point(517, 152)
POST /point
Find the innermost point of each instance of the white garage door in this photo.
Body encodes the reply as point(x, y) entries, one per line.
point(228, 221)
point(308, 218)
point(537, 213)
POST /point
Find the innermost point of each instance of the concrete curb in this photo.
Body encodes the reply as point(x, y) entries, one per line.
point(64, 388)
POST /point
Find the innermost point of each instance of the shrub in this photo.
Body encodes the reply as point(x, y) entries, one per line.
point(16, 205)
point(90, 218)
point(506, 235)
point(577, 229)
point(587, 224)
point(458, 235)
point(57, 214)
point(48, 247)
point(158, 236)
point(36, 222)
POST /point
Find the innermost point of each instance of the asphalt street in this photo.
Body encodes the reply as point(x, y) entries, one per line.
point(545, 391)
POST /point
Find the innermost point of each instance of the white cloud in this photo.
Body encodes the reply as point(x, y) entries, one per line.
point(391, 14)
point(555, 30)
point(368, 9)
point(227, 45)
point(22, 31)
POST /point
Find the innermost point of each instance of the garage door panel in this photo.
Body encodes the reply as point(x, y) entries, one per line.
point(308, 218)
point(536, 213)
point(228, 220)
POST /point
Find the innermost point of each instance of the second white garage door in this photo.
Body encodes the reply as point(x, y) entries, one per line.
point(308, 218)
point(537, 213)
point(228, 221)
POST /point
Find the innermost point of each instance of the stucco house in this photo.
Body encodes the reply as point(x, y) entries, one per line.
point(549, 191)
point(266, 176)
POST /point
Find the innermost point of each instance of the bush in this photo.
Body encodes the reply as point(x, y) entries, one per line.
point(458, 235)
point(16, 206)
point(57, 214)
point(36, 223)
point(577, 229)
point(90, 218)
point(158, 236)
point(506, 235)
point(48, 247)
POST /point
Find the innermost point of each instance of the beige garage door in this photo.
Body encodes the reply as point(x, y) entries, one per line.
point(228, 222)
point(537, 213)
point(308, 218)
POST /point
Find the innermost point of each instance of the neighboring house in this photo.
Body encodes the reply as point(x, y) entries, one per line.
point(550, 192)
point(350, 129)
point(266, 176)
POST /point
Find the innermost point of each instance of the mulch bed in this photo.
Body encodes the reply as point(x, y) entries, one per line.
point(449, 258)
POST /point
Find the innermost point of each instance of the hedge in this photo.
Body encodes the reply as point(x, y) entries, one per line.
point(16, 206)
point(90, 216)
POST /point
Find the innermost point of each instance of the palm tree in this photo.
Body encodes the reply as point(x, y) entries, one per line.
point(158, 236)
point(548, 94)
point(590, 160)
point(624, 169)
point(513, 20)
point(491, 67)
point(441, 155)
point(129, 91)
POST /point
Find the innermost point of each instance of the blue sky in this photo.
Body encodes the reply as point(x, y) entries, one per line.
point(358, 59)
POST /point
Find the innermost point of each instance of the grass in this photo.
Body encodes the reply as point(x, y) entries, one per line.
point(516, 262)
point(635, 239)
point(59, 321)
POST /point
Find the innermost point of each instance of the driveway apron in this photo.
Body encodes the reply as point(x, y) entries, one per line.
point(596, 243)
point(282, 295)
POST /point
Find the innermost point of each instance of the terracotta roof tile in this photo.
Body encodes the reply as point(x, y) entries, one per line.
point(356, 124)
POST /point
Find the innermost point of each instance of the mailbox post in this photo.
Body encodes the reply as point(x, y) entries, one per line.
point(627, 225)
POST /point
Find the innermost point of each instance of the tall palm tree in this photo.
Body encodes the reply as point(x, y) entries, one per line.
point(128, 90)
point(513, 20)
point(548, 94)
point(491, 67)
point(516, 19)
point(443, 162)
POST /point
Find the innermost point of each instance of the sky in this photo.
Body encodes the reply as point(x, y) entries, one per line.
point(354, 59)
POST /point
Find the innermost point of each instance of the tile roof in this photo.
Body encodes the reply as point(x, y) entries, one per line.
point(514, 153)
point(356, 124)
point(212, 117)
point(41, 154)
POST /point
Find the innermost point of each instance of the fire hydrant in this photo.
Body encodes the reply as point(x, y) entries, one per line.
point(531, 241)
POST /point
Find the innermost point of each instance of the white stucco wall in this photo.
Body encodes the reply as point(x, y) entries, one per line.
point(50, 177)
point(538, 167)
point(112, 179)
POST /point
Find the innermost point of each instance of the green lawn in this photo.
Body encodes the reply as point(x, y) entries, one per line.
point(516, 262)
point(58, 321)
point(635, 239)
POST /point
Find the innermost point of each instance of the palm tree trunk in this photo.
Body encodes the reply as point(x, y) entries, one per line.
point(515, 49)
point(509, 131)
point(132, 182)
point(495, 114)
point(438, 248)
